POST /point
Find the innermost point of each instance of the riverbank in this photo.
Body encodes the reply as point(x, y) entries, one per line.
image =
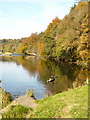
point(5, 98)
point(10, 54)
point(70, 104)
point(5, 53)
point(45, 58)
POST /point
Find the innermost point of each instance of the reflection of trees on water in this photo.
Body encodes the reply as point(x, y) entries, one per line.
point(18, 60)
point(69, 75)
point(30, 65)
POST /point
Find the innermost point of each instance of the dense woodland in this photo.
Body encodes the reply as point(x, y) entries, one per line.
point(64, 40)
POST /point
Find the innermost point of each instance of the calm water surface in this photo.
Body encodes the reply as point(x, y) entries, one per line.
point(20, 73)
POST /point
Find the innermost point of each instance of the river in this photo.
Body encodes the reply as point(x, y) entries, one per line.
point(20, 73)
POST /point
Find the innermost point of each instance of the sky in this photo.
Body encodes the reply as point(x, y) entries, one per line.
point(20, 18)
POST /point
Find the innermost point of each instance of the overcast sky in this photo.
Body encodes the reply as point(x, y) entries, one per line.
point(20, 18)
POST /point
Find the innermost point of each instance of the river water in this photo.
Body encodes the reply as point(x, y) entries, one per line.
point(20, 73)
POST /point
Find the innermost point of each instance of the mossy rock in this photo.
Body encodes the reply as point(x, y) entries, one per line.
point(30, 92)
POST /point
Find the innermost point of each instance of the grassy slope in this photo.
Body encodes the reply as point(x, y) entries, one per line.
point(17, 111)
point(69, 104)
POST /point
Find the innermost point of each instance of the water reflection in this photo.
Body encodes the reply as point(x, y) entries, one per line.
point(21, 73)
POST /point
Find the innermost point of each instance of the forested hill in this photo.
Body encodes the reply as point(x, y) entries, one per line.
point(65, 40)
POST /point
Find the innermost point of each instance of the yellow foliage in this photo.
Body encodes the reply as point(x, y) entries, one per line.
point(54, 21)
point(83, 25)
point(84, 54)
point(81, 4)
point(21, 49)
point(40, 47)
point(86, 30)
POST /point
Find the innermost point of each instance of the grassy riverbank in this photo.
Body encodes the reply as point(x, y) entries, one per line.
point(69, 104)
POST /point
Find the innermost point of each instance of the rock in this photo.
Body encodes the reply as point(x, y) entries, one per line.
point(51, 80)
point(48, 94)
point(52, 76)
point(31, 54)
point(7, 53)
point(16, 96)
point(21, 100)
point(1, 81)
point(30, 93)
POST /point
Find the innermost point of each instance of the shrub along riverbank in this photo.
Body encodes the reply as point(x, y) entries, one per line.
point(69, 104)
point(5, 98)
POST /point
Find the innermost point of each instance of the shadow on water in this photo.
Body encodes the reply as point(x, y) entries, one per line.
point(68, 75)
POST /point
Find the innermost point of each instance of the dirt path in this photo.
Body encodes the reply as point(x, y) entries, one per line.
point(22, 100)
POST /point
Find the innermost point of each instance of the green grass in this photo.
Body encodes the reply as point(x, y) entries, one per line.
point(69, 104)
point(17, 111)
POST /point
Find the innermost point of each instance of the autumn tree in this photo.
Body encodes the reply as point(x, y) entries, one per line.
point(40, 47)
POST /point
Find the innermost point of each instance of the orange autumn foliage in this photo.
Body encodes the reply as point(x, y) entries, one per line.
point(40, 47)
point(54, 22)
point(81, 4)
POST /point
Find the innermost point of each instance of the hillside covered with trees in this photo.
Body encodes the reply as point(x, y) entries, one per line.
point(63, 40)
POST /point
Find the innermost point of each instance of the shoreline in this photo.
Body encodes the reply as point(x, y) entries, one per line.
point(81, 63)
point(52, 105)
